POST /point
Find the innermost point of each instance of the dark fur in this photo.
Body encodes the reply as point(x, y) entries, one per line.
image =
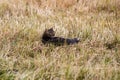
point(49, 37)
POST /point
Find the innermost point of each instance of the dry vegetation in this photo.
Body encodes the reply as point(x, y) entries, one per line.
point(95, 22)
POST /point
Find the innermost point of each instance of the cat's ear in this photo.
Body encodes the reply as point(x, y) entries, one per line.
point(51, 29)
point(46, 29)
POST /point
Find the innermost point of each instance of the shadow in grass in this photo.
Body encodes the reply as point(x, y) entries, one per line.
point(81, 75)
point(113, 44)
point(5, 75)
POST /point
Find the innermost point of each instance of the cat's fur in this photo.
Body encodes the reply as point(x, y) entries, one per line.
point(49, 37)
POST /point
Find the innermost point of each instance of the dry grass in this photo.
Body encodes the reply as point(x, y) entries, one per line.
point(95, 22)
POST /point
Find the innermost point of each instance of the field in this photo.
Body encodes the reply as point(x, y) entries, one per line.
point(95, 57)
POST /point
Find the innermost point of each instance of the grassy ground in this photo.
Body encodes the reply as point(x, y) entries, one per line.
point(95, 22)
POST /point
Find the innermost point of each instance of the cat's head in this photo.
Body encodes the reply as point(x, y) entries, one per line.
point(49, 32)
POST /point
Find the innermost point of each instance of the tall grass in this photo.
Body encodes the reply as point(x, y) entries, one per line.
point(95, 22)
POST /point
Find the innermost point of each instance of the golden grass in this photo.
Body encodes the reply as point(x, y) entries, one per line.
point(95, 22)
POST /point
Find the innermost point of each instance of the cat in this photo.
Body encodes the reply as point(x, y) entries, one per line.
point(49, 37)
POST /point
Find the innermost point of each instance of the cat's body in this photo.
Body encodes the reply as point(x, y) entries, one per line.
point(49, 37)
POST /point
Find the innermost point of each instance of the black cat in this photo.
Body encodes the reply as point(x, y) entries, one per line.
point(49, 37)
